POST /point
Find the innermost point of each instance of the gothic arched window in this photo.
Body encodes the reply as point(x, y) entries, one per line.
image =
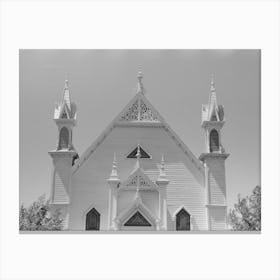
point(63, 138)
point(214, 141)
point(183, 220)
point(93, 220)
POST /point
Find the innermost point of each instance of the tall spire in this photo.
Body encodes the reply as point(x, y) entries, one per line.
point(212, 106)
point(114, 173)
point(140, 87)
point(66, 94)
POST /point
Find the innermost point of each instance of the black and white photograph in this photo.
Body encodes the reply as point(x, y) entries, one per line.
point(140, 140)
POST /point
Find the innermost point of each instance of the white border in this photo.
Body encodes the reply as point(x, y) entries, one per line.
point(156, 24)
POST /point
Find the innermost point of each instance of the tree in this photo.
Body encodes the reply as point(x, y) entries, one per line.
point(246, 214)
point(38, 216)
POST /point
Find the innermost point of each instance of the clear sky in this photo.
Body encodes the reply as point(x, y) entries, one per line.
point(177, 83)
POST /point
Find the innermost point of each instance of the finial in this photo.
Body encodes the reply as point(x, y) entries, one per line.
point(212, 83)
point(140, 87)
point(162, 168)
point(66, 93)
point(138, 154)
point(162, 176)
point(114, 173)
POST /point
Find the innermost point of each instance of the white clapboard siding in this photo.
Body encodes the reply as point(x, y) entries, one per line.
point(217, 218)
point(217, 182)
point(89, 183)
point(60, 195)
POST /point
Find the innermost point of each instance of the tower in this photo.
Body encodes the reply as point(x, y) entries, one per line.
point(213, 159)
point(64, 155)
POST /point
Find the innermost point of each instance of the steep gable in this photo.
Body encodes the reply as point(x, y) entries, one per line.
point(140, 112)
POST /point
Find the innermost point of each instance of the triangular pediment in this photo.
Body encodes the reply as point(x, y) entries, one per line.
point(138, 220)
point(139, 110)
point(139, 177)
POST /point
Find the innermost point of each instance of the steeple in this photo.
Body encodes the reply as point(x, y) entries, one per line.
point(65, 118)
point(140, 87)
point(213, 121)
point(214, 161)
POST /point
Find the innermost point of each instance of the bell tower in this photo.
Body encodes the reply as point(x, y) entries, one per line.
point(213, 159)
point(64, 155)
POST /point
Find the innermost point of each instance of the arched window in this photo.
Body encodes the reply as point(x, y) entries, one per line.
point(183, 220)
point(63, 138)
point(93, 220)
point(214, 141)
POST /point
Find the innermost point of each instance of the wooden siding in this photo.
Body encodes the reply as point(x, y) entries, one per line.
point(217, 183)
point(217, 217)
point(89, 184)
point(60, 195)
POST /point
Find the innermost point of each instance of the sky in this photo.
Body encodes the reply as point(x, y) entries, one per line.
point(102, 82)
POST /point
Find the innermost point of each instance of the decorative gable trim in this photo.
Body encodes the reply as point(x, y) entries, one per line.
point(136, 206)
point(139, 111)
point(136, 176)
point(198, 166)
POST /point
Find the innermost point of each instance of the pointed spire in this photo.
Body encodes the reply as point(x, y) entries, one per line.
point(162, 178)
point(162, 174)
point(212, 83)
point(212, 106)
point(66, 94)
point(114, 174)
point(140, 87)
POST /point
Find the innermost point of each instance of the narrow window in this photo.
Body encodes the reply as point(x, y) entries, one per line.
point(183, 219)
point(93, 220)
point(63, 138)
point(143, 154)
point(214, 141)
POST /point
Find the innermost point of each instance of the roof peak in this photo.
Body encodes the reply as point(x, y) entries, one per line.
point(140, 87)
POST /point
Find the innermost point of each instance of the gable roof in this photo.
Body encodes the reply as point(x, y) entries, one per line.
point(139, 112)
point(135, 206)
point(138, 177)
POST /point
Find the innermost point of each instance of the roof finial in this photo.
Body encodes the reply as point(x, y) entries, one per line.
point(212, 83)
point(162, 174)
point(66, 93)
point(140, 87)
point(138, 154)
point(114, 173)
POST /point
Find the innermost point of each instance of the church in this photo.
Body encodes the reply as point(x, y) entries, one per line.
point(138, 175)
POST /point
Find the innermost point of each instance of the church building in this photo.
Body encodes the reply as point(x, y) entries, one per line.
point(138, 175)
